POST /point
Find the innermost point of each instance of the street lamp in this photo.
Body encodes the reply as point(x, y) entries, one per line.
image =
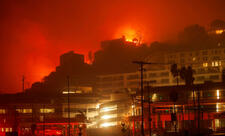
point(68, 100)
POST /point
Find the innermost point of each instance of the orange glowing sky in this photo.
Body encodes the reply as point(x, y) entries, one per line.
point(33, 33)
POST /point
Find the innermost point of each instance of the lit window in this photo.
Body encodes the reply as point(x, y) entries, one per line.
point(220, 31)
point(193, 95)
point(108, 124)
point(216, 63)
point(218, 94)
point(193, 58)
point(97, 106)
point(47, 110)
point(2, 111)
point(66, 92)
point(154, 97)
point(205, 64)
point(217, 123)
point(109, 116)
point(24, 110)
point(106, 109)
point(217, 107)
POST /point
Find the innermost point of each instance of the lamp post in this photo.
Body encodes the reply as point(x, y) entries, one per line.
point(68, 99)
point(149, 110)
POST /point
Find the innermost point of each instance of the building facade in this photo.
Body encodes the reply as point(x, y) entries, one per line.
point(49, 115)
point(207, 65)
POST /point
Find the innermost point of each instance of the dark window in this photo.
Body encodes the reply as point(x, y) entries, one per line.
point(132, 76)
point(118, 84)
point(196, 53)
point(152, 81)
point(205, 58)
point(118, 78)
point(205, 53)
point(217, 52)
point(164, 74)
point(182, 54)
point(214, 77)
point(133, 83)
point(200, 78)
point(107, 78)
point(152, 75)
point(216, 58)
point(182, 61)
point(165, 81)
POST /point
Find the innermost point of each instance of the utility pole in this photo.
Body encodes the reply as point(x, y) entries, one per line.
point(68, 99)
point(141, 64)
point(44, 110)
point(23, 86)
point(199, 117)
point(193, 91)
point(142, 96)
point(149, 110)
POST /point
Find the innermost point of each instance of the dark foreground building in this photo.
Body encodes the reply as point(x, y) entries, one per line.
point(41, 115)
point(178, 109)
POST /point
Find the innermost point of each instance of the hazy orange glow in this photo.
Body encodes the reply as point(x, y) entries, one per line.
point(36, 69)
point(35, 33)
point(41, 72)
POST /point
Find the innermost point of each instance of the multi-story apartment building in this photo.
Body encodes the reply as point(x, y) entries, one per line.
point(207, 65)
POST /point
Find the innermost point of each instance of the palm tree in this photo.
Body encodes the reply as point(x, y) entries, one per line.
point(175, 72)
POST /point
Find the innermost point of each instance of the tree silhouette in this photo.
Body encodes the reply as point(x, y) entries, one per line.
point(185, 73)
point(189, 79)
point(194, 37)
point(175, 71)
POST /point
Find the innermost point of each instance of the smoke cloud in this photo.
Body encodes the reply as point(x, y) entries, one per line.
point(33, 34)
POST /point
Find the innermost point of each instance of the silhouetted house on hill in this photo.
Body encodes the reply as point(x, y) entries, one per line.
point(116, 56)
point(71, 58)
point(72, 65)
